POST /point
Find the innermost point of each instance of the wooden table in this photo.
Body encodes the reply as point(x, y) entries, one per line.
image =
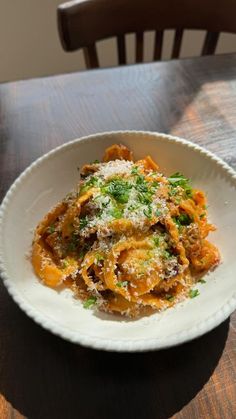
point(42, 376)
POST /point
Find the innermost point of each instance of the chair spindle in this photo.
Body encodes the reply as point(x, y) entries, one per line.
point(121, 49)
point(177, 43)
point(158, 45)
point(210, 43)
point(139, 47)
point(91, 56)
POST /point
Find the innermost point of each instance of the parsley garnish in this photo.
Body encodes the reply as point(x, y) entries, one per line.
point(202, 215)
point(51, 229)
point(202, 281)
point(116, 213)
point(173, 192)
point(170, 297)
point(93, 181)
point(99, 257)
point(133, 207)
point(148, 212)
point(158, 213)
point(183, 220)
point(156, 241)
point(105, 204)
point(122, 284)
point(145, 198)
point(83, 222)
point(90, 302)
point(166, 254)
point(64, 264)
point(193, 293)
point(154, 186)
point(119, 189)
point(179, 180)
point(177, 201)
point(134, 170)
point(141, 184)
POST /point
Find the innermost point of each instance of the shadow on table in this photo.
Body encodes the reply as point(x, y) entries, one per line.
point(43, 376)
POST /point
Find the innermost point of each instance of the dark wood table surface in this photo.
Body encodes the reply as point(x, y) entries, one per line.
point(42, 376)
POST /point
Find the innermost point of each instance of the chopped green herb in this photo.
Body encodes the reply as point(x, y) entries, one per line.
point(99, 213)
point(133, 207)
point(122, 284)
point(116, 213)
point(193, 293)
point(183, 220)
point(201, 216)
point(83, 222)
point(205, 206)
point(202, 281)
point(145, 198)
point(141, 184)
point(158, 213)
point(119, 189)
point(179, 180)
point(166, 254)
point(148, 212)
point(134, 170)
point(170, 297)
point(83, 189)
point(65, 264)
point(90, 302)
point(96, 161)
point(99, 257)
point(156, 241)
point(51, 229)
point(173, 191)
point(105, 204)
point(154, 187)
point(93, 181)
point(152, 174)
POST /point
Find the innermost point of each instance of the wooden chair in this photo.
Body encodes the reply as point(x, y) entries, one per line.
point(82, 23)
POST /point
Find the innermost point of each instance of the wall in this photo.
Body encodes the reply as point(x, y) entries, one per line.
point(30, 47)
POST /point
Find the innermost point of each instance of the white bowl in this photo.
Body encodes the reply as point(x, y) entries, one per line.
point(49, 179)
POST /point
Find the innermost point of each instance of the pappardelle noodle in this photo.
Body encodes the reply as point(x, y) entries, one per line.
point(129, 239)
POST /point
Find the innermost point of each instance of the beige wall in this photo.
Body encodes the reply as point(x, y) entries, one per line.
point(29, 44)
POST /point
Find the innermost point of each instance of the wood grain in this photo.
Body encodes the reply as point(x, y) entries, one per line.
point(42, 376)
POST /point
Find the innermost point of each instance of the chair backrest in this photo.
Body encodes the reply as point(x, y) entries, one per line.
point(83, 22)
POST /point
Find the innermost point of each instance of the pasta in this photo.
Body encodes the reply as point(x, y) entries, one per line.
point(129, 240)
